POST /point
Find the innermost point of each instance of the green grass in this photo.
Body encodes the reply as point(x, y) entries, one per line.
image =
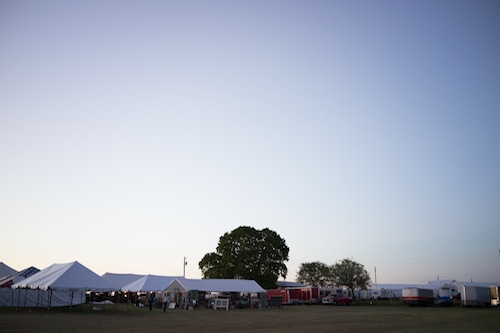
point(313, 318)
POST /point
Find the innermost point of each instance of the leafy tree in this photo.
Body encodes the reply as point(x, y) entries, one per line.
point(248, 253)
point(316, 274)
point(350, 274)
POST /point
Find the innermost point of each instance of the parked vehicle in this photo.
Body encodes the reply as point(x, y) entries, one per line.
point(376, 294)
point(494, 293)
point(476, 296)
point(307, 295)
point(445, 295)
point(418, 296)
point(276, 293)
point(339, 297)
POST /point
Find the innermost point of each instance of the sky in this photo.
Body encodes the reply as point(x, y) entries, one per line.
point(136, 133)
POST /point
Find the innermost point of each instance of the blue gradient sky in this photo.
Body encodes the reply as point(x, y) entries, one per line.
point(134, 133)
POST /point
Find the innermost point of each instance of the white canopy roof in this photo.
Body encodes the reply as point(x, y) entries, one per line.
point(460, 284)
point(70, 276)
point(150, 283)
point(215, 285)
point(6, 270)
point(120, 280)
point(9, 280)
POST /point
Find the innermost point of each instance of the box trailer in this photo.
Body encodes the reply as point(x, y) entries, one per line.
point(417, 296)
point(288, 295)
point(278, 293)
point(307, 295)
point(476, 296)
point(494, 293)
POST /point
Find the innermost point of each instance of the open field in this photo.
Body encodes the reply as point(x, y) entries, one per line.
point(313, 318)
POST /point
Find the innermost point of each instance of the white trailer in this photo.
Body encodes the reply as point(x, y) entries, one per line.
point(373, 294)
point(445, 294)
point(364, 294)
point(475, 296)
point(494, 294)
point(418, 296)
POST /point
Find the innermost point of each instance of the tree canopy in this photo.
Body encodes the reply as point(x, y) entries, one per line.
point(347, 273)
point(316, 274)
point(248, 253)
point(350, 274)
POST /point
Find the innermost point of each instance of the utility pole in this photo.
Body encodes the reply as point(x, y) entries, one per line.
point(375, 277)
point(184, 267)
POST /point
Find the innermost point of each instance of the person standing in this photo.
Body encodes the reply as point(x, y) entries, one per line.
point(151, 301)
point(166, 302)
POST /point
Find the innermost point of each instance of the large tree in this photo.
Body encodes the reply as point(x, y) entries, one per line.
point(350, 274)
point(248, 253)
point(316, 274)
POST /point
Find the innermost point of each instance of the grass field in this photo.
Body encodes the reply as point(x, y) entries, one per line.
point(312, 318)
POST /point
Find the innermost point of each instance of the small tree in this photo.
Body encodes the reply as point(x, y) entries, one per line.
point(314, 274)
point(350, 274)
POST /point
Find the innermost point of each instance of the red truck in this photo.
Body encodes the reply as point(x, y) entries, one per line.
point(338, 297)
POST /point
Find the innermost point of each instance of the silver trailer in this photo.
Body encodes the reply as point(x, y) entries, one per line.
point(475, 296)
point(418, 296)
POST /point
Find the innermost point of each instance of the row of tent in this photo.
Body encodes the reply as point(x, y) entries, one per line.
point(73, 279)
point(12, 276)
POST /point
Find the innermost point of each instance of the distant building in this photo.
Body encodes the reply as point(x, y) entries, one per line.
point(289, 284)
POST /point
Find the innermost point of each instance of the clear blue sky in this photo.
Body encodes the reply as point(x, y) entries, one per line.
point(134, 133)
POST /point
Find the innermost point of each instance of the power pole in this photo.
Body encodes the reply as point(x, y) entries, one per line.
point(184, 267)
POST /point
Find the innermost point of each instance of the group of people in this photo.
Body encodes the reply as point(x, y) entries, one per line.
point(151, 301)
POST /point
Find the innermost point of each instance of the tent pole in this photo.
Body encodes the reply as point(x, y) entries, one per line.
point(50, 297)
point(71, 301)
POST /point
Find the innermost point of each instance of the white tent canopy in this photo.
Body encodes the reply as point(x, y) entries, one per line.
point(121, 280)
point(215, 285)
point(150, 283)
point(71, 276)
point(6, 270)
point(9, 280)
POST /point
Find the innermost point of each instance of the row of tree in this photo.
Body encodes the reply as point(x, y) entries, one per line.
point(346, 273)
point(260, 255)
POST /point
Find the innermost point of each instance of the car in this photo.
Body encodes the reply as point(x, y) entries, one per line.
point(334, 299)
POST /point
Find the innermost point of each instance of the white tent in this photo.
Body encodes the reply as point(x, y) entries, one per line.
point(39, 298)
point(215, 285)
point(9, 280)
point(150, 283)
point(71, 276)
point(6, 270)
point(120, 280)
point(56, 285)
